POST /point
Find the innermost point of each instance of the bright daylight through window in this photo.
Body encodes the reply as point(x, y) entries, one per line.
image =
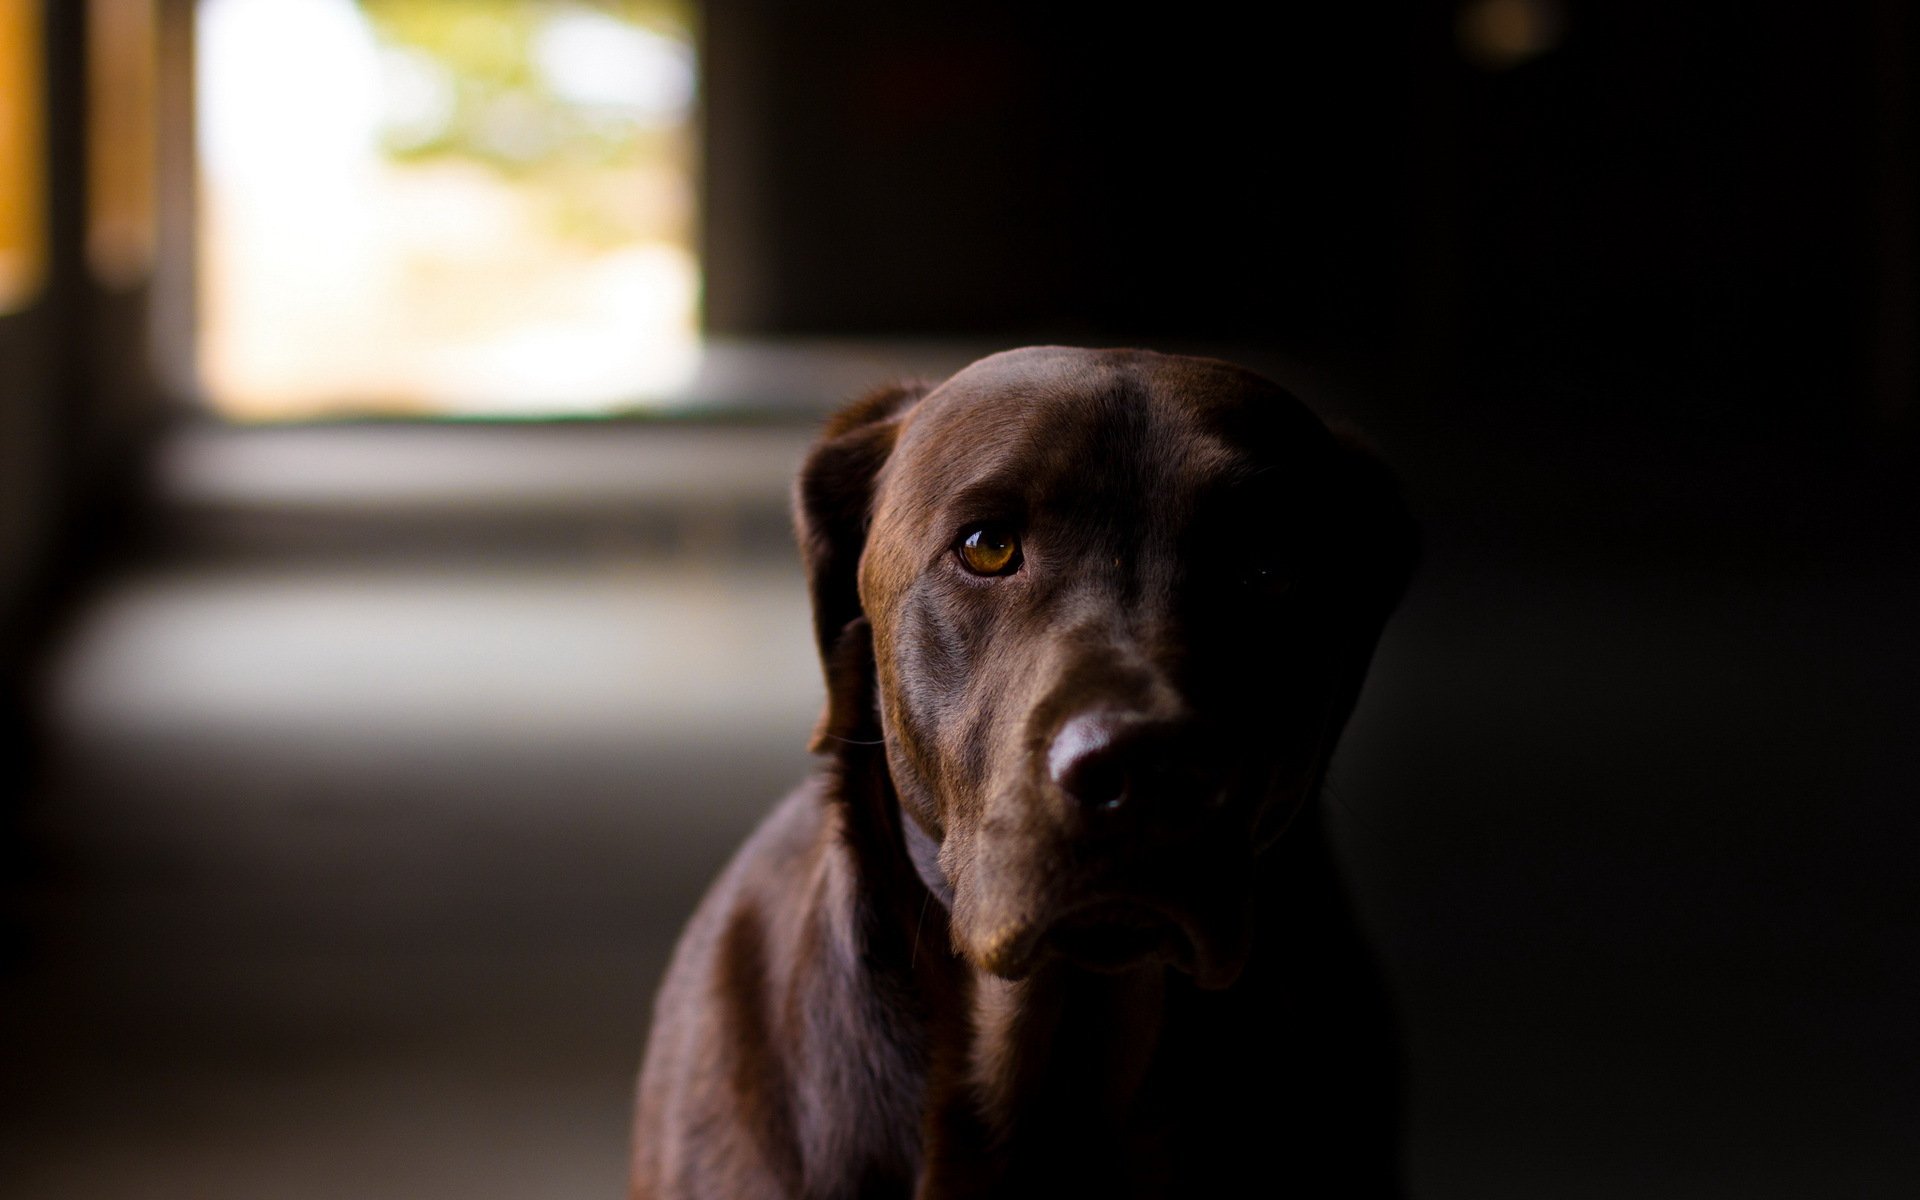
point(444, 207)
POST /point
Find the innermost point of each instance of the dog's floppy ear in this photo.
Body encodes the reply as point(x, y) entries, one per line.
point(833, 501)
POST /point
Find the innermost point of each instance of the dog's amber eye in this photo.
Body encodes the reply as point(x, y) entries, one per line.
point(990, 550)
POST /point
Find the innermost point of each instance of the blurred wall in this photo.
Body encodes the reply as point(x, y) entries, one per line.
point(1006, 168)
point(80, 404)
point(36, 392)
point(1712, 199)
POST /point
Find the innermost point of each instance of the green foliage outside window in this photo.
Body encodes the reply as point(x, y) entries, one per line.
point(479, 89)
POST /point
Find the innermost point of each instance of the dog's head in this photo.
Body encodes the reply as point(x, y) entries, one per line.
point(1109, 611)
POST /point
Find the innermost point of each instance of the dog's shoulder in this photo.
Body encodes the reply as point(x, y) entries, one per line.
point(764, 1006)
point(710, 1051)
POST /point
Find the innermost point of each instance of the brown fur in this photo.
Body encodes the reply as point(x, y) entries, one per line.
point(1158, 996)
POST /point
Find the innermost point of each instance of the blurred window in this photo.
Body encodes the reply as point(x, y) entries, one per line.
point(444, 207)
point(23, 252)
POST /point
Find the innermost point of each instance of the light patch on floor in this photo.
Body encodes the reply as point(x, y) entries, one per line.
point(623, 650)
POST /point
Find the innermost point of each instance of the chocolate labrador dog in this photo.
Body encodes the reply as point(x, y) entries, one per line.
point(1056, 917)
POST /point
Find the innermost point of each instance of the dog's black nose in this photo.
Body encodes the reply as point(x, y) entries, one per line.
point(1112, 763)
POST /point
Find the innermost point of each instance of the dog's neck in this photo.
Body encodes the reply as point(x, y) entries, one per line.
point(1026, 1076)
point(1064, 1032)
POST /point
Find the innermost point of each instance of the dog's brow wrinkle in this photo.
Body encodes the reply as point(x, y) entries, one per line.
point(997, 494)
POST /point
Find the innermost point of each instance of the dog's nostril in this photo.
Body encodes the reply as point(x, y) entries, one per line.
point(1085, 764)
point(1104, 763)
point(1096, 781)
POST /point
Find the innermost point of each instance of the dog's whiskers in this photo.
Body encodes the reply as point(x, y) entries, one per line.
point(913, 958)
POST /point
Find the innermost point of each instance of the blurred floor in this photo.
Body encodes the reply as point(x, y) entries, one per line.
point(383, 786)
point(374, 816)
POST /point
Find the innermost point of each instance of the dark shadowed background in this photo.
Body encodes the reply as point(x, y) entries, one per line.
point(359, 772)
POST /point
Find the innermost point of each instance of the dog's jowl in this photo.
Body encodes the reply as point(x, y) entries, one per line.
point(1056, 916)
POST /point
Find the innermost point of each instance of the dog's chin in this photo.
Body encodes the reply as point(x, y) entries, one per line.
point(1187, 906)
point(1118, 935)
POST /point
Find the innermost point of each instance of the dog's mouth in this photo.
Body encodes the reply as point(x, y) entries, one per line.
point(1188, 906)
point(1208, 940)
point(1115, 935)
